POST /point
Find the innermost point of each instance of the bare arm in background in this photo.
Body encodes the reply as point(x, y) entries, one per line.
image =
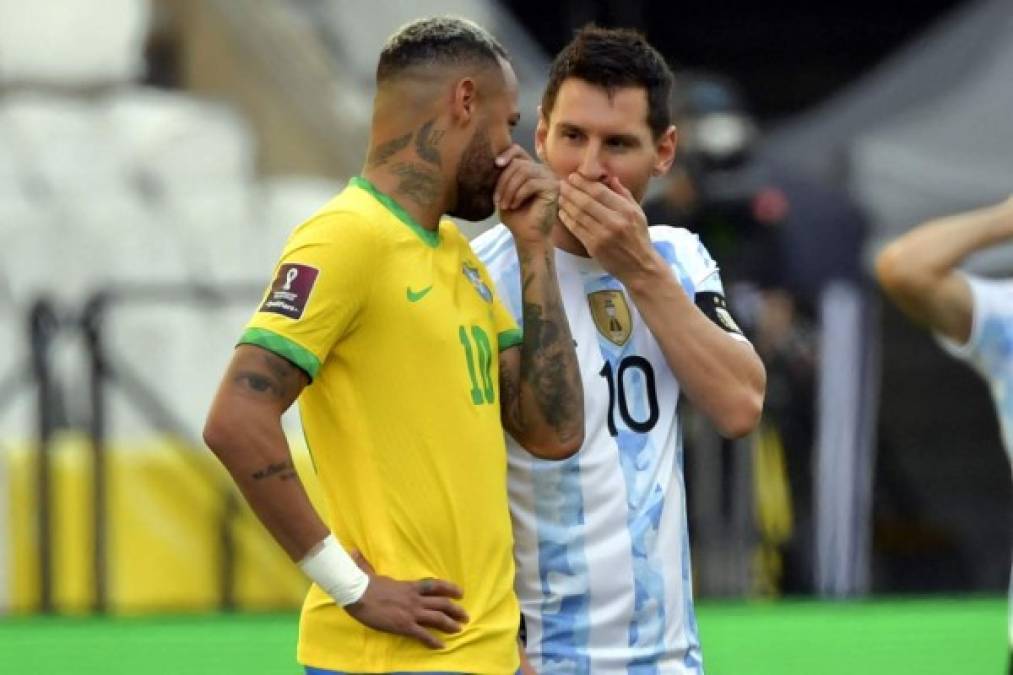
point(244, 431)
point(918, 271)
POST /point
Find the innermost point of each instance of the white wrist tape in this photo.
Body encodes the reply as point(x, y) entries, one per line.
point(333, 570)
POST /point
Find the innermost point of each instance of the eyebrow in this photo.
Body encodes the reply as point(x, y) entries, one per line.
point(630, 139)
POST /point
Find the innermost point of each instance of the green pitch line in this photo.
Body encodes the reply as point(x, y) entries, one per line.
point(923, 637)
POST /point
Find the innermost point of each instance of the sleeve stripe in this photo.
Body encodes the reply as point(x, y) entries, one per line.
point(296, 354)
point(510, 338)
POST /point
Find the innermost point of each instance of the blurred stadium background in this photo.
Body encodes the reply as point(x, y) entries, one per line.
point(155, 153)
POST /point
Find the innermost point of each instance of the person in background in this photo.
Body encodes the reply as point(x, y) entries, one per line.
point(971, 316)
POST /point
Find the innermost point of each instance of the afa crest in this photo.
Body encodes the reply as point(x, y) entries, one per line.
point(475, 278)
point(611, 315)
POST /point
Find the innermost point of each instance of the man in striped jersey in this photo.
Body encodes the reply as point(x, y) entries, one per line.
point(602, 547)
point(970, 315)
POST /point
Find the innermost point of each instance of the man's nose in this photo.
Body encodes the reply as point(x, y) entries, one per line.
point(591, 166)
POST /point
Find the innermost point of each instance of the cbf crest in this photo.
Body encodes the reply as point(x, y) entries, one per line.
point(611, 315)
point(475, 278)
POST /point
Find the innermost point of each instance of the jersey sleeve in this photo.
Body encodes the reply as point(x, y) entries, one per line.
point(319, 287)
point(494, 249)
point(990, 344)
point(508, 334)
point(698, 274)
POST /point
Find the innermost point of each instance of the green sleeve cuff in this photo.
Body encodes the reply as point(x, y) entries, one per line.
point(510, 338)
point(296, 354)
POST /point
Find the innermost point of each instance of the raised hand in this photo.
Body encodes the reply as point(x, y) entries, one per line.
point(607, 219)
point(410, 608)
point(527, 196)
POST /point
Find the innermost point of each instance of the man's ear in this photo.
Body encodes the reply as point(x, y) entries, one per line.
point(541, 133)
point(664, 149)
point(464, 100)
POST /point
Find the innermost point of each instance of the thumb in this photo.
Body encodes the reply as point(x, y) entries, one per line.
point(363, 564)
point(618, 187)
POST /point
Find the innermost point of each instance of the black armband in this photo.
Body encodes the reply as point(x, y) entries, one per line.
point(713, 305)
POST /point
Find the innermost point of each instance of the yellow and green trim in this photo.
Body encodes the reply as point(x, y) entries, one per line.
point(430, 238)
point(294, 353)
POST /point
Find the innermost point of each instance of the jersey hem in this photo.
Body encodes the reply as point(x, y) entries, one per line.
point(287, 349)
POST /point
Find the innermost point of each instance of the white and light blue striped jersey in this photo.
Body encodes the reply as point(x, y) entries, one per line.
point(989, 350)
point(601, 539)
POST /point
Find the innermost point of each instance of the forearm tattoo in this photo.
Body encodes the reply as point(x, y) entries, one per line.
point(283, 470)
point(548, 362)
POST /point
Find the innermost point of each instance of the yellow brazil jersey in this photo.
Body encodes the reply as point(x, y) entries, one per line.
point(399, 328)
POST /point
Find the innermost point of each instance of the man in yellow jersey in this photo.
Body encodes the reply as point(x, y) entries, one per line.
point(381, 311)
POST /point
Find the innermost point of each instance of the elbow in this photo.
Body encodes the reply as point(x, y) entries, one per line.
point(896, 274)
point(216, 434)
point(741, 416)
point(741, 421)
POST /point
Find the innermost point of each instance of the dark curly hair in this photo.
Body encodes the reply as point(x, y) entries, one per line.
point(612, 58)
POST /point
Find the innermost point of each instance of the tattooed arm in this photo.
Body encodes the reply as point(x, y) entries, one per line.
point(244, 431)
point(541, 396)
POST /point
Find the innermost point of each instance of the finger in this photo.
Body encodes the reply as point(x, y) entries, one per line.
point(526, 191)
point(581, 233)
point(454, 611)
point(439, 587)
point(425, 637)
point(363, 564)
point(584, 211)
point(592, 202)
point(600, 192)
point(618, 187)
point(511, 179)
point(510, 154)
point(438, 621)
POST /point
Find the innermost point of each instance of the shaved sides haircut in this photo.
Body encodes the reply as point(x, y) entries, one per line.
point(440, 41)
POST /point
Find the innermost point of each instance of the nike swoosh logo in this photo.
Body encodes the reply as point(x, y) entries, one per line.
point(415, 296)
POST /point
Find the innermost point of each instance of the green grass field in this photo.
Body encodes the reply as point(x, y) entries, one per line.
point(920, 637)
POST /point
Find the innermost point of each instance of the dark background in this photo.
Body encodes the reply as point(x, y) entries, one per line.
point(787, 55)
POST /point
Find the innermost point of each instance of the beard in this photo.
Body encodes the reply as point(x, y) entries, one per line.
point(476, 179)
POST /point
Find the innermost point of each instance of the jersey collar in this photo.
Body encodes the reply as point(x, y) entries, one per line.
point(428, 236)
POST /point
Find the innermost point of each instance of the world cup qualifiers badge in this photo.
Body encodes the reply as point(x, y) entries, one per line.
point(290, 290)
point(476, 280)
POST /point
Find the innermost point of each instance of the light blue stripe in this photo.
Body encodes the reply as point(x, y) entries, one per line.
point(562, 566)
point(645, 503)
point(667, 251)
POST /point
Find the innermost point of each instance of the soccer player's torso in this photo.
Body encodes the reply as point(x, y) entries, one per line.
point(404, 426)
point(601, 539)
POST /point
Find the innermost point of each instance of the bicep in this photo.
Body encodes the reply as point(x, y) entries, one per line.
point(257, 383)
